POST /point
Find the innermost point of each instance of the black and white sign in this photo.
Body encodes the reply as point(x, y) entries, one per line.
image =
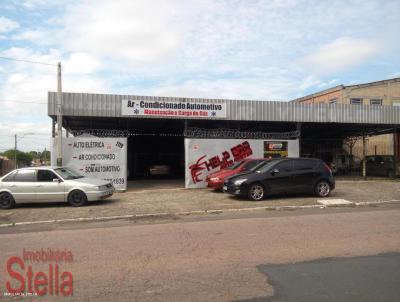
point(183, 109)
point(97, 157)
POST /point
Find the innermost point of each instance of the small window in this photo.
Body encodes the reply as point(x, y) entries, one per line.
point(10, 177)
point(46, 176)
point(333, 101)
point(285, 166)
point(25, 176)
point(377, 102)
point(356, 101)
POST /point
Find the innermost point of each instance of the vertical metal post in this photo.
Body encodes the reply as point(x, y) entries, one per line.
point(298, 128)
point(364, 166)
point(59, 116)
point(395, 149)
point(53, 128)
point(15, 152)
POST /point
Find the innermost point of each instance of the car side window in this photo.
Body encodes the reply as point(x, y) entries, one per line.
point(10, 177)
point(285, 166)
point(25, 176)
point(46, 176)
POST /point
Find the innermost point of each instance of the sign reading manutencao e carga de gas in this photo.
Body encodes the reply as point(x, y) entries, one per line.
point(183, 109)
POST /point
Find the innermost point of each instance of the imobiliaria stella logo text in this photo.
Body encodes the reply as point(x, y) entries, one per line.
point(23, 280)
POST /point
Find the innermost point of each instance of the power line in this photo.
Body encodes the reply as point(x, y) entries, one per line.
point(27, 61)
point(23, 102)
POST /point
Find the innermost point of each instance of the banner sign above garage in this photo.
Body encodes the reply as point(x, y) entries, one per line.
point(206, 156)
point(96, 157)
point(182, 109)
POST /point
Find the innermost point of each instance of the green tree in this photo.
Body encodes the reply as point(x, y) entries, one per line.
point(23, 159)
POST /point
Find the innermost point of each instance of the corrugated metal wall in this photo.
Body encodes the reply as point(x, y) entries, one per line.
point(105, 105)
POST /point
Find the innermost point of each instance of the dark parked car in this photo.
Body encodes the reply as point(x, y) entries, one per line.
point(380, 165)
point(288, 175)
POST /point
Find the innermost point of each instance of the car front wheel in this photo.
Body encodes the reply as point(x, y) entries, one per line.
point(6, 200)
point(323, 188)
point(77, 198)
point(256, 192)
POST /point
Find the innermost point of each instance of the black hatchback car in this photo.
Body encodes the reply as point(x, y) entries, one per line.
point(286, 175)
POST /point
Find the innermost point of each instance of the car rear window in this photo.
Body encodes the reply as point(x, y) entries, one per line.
point(10, 177)
point(251, 164)
point(235, 165)
point(25, 175)
point(305, 164)
point(285, 166)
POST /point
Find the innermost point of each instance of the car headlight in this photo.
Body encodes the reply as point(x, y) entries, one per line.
point(239, 181)
point(214, 179)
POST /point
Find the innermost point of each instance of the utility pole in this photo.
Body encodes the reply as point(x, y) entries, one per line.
point(364, 162)
point(59, 116)
point(15, 152)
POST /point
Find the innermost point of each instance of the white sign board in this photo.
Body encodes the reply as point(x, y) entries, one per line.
point(96, 157)
point(205, 156)
point(183, 109)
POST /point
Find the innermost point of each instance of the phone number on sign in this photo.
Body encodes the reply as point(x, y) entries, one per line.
point(117, 181)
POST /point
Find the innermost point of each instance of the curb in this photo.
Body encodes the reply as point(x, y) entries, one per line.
point(161, 215)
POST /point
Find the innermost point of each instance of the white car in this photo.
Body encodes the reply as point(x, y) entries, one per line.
point(48, 184)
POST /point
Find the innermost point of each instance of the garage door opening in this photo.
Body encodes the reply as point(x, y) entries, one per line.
point(156, 157)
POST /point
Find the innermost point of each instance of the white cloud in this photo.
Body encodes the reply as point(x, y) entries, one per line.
point(134, 31)
point(7, 25)
point(30, 4)
point(341, 54)
point(30, 35)
point(80, 63)
point(237, 88)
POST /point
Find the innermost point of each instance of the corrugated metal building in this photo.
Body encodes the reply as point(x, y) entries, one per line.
point(322, 128)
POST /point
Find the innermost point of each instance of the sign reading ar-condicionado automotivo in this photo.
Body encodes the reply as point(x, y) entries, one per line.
point(173, 109)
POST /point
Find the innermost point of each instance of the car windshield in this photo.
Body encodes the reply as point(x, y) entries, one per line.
point(264, 166)
point(68, 173)
point(235, 165)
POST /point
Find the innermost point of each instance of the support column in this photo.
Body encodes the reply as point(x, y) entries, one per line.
point(53, 128)
point(395, 150)
point(298, 128)
point(364, 166)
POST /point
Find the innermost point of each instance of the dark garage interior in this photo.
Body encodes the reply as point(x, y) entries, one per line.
point(160, 142)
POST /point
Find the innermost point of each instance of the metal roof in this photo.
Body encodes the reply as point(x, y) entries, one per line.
point(107, 105)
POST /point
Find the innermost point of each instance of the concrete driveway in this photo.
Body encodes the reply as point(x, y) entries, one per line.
point(149, 198)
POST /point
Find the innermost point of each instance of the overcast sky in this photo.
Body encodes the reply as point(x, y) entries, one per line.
point(243, 49)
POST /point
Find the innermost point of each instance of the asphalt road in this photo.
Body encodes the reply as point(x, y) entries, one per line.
point(288, 256)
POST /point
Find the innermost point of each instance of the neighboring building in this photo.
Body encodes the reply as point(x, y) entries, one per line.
point(386, 92)
point(380, 93)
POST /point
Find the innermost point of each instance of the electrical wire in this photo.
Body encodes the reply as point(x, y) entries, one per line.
point(21, 102)
point(27, 61)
